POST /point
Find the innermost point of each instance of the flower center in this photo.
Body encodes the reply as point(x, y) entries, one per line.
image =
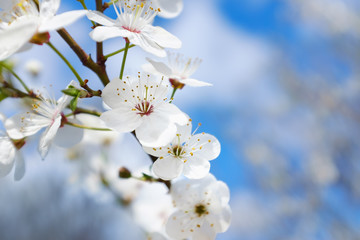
point(200, 210)
point(144, 108)
point(178, 150)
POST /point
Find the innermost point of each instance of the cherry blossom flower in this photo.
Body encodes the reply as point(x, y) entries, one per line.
point(140, 104)
point(134, 23)
point(47, 113)
point(22, 21)
point(186, 153)
point(9, 155)
point(178, 70)
point(203, 209)
point(169, 8)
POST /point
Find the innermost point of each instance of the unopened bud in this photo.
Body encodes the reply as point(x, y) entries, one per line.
point(124, 173)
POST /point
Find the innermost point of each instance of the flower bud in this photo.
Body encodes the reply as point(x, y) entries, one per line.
point(124, 173)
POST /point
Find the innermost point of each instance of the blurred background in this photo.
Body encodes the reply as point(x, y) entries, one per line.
point(284, 105)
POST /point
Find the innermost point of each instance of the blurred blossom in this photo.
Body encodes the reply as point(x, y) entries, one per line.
point(34, 67)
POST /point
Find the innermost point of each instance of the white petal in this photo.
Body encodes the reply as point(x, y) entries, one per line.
point(102, 33)
point(48, 8)
point(162, 68)
point(220, 220)
point(69, 136)
point(48, 136)
point(115, 98)
point(204, 232)
point(168, 168)
point(19, 167)
point(100, 18)
point(147, 44)
point(122, 119)
point(16, 35)
point(25, 124)
point(7, 155)
point(194, 83)
point(207, 146)
point(172, 112)
point(177, 225)
point(61, 20)
point(184, 131)
point(161, 37)
point(196, 168)
point(155, 131)
point(170, 8)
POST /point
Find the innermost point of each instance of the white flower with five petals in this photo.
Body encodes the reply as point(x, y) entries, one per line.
point(186, 153)
point(140, 104)
point(134, 22)
point(203, 209)
point(47, 113)
point(178, 70)
point(21, 20)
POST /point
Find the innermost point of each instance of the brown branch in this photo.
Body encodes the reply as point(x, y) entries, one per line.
point(84, 57)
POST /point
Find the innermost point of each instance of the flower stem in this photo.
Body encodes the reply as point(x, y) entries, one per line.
point(172, 95)
point(67, 62)
point(86, 127)
point(86, 111)
point(16, 76)
point(124, 57)
point(118, 51)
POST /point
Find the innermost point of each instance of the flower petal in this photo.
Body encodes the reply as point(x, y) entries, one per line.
point(156, 130)
point(207, 146)
point(100, 18)
point(16, 35)
point(160, 67)
point(48, 8)
point(168, 168)
point(161, 37)
point(7, 155)
point(221, 221)
point(102, 33)
point(196, 168)
point(61, 20)
point(194, 83)
point(147, 44)
point(19, 167)
point(48, 136)
point(122, 119)
point(170, 9)
point(177, 225)
point(172, 112)
point(25, 124)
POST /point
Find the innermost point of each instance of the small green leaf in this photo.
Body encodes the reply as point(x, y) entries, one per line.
point(73, 103)
point(74, 92)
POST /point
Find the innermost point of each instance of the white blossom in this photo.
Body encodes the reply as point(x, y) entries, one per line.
point(178, 70)
point(186, 153)
point(203, 209)
point(140, 104)
point(9, 155)
point(21, 20)
point(47, 113)
point(134, 22)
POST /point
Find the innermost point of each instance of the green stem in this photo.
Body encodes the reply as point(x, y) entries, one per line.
point(86, 111)
point(67, 63)
point(86, 127)
point(118, 51)
point(172, 95)
point(17, 77)
point(124, 58)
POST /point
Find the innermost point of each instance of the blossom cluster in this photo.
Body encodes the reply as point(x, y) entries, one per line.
point(137, 104)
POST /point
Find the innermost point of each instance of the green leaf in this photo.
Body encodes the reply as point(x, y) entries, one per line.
point(74, 102)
